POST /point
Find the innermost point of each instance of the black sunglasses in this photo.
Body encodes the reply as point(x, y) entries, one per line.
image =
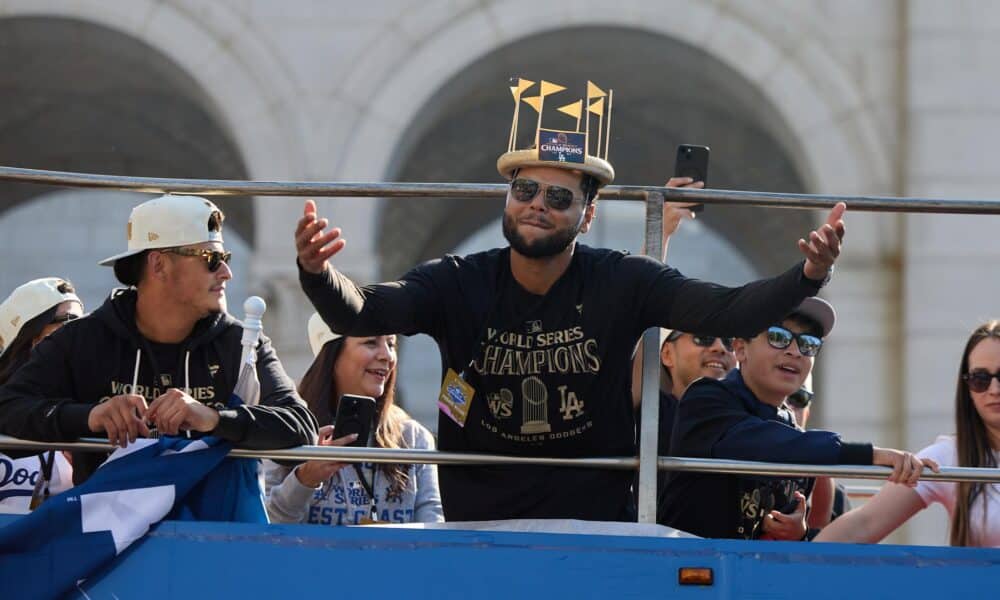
point(800, 399)
point(707, 341)
point(979, 381)
point(781, 338)
point(212, 258)
point(64, 318)
point(556, 197)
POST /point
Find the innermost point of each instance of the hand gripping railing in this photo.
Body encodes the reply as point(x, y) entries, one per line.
point(665, 463)
point(653, 197)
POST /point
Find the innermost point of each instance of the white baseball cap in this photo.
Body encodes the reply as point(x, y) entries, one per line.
point(168, 222)
point(27, 302)
point(320, 333)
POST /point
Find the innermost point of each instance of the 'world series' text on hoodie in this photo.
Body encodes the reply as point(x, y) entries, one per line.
point(94, 358)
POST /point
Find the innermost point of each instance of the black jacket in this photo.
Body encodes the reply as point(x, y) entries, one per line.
point(551, 373)
point(723, 419)
point(94, 358)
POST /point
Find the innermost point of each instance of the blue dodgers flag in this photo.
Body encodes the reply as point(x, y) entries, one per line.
point(73, 535)
point(44, 554)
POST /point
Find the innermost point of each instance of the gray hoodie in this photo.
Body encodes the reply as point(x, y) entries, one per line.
point(342, 500)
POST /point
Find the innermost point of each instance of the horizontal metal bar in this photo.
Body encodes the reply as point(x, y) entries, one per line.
point(746, 467)
point(665, 463)
point(219, 187)
point(347, 454)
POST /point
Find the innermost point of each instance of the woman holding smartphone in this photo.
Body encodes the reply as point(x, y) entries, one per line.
point(974, 508)
point(328, 493)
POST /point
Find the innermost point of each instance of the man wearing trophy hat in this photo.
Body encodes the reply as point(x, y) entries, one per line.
point(162, 353)
point(536, 338)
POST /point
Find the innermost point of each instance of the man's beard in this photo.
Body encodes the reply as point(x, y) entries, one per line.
point(543, 248)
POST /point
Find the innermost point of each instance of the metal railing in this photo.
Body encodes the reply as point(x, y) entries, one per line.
point(221, 187)
point(664, 463)
point(653, 197)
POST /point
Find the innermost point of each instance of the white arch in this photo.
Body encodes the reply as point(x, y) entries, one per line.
point(219, 49)
point(813, 94)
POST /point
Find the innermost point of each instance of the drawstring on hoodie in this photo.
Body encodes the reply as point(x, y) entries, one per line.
point(135, 373)
point(187, 376)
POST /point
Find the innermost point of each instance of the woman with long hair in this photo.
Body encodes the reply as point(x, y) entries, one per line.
point(974, 508)
point(329, 493)
point(32, 312)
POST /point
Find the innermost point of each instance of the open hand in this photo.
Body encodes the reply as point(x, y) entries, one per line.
point(313, 244)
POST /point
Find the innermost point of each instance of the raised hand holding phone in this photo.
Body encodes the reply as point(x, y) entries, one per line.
point(691, 164)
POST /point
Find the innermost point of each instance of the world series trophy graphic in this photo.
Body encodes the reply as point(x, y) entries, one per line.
point(564, 146)
point(535, 410)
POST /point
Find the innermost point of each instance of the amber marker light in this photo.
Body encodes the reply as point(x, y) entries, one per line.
point(694, 576)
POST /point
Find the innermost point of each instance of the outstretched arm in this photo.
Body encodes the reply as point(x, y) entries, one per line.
point(668, 299)
point(406, 306)
point(880, 516)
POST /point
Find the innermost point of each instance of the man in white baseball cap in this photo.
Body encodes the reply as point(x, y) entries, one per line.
point(161, 353)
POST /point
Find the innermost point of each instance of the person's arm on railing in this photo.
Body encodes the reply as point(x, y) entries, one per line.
point(877, 518)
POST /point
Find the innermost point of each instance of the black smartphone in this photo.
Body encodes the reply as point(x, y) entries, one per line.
point(355, 414)
point(692, 161)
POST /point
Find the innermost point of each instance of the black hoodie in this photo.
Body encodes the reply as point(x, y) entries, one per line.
point(94, 358)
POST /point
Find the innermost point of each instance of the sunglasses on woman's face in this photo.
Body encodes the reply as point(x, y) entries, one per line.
point(979, 381)
point(556, 197)
point(781, 338)
point(213, 258)
point(707, 341)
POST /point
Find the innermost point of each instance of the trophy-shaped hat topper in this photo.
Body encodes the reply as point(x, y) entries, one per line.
point(581, 149)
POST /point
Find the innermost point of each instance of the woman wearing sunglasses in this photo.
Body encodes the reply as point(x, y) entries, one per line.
point(742, 417)
point(329, 493)
point(32, 312)
point(974, 508)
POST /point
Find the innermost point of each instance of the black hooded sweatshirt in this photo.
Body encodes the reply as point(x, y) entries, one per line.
point(94, 358)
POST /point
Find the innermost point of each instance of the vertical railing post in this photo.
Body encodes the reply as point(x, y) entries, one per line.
point(649, 427)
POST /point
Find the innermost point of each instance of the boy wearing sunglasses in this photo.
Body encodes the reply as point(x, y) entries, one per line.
point(161, 356)
point(743, 417)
